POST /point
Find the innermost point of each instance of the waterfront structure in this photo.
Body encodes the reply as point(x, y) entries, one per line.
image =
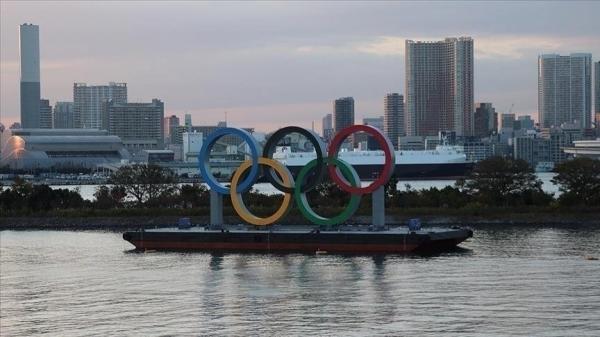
point(29, 43)
point(343, 113)
point(64, 115)
point(327, 128)
point(485, 120)
point(62, 148)
point(565, 90)
point(393, 117)
point(584, 148)
point(560, 138)
point(88, 103)
point(139, 125)
point(597, 94)
point(439, 86)
point(45, 114)
point(170, 124)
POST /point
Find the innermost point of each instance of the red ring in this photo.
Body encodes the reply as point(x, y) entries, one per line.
point(388, 166)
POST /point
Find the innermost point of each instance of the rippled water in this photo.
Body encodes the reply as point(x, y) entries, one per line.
point(507, 281)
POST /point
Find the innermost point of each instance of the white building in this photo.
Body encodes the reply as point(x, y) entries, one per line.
point(88, 101)
point(192, 144)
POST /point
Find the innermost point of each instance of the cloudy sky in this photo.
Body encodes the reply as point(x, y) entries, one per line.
point(271, 64)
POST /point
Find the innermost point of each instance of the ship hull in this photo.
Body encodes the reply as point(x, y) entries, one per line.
point(384, 242)
point(408, 171)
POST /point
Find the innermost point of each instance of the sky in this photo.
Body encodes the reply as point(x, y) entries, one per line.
point(271, 64)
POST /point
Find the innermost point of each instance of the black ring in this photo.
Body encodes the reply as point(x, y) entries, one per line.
point(269, 149)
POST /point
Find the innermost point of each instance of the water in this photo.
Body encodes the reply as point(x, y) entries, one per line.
point(507, 281)
point(87, 191)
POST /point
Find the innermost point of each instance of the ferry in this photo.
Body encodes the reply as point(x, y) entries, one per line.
point(445, 162)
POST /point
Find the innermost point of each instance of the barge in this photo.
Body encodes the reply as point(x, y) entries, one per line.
point(343, 240)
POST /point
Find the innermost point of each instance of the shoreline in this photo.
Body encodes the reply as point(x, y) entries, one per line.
point(125, 223)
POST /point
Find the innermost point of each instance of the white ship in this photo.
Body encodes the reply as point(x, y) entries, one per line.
point(446, 161)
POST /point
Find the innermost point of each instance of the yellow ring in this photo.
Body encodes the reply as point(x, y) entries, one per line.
point(238, 202)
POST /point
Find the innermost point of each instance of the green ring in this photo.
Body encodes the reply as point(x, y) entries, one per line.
point(348, 172)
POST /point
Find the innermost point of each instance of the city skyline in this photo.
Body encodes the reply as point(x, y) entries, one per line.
point(290, 64)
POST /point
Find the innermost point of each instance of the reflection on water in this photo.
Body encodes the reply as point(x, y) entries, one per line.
point(504, 281)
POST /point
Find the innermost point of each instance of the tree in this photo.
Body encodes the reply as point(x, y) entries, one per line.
point(579, 181)
point(499, 181)
point(195, 195)
point(146, 184)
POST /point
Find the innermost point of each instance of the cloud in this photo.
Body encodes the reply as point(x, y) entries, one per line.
point(486, 47)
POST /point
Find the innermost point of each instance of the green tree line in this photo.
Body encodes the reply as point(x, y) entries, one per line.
point(494, 182)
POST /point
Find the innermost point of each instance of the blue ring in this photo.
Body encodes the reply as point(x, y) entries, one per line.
point(205, 163)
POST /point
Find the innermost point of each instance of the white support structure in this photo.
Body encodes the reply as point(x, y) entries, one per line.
point(216, 208)
point(378, 207)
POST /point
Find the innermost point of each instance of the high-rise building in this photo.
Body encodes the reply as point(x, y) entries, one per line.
point(439, 86)
point(343, 113)
point(139, 125)
point(327, 127)
point(170, 125)
point(565, 89)
point(45, 114)
point(485, 120)
point(393, 117)
point(64, 115)
point(88, 101)
point(597, 94)
point(526, 122)
point(508, 121)
point(188, 122)
point(29, 42)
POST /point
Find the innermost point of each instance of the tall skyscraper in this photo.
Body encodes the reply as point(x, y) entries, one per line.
point(88, 101)
point(485, 120)
point(565, 90)
point(64, 115)
point(188, 122)
point(139, 125)
point(45, 114)
point(29, 43)
point(597, 94)
point(327, 126)
point(170, 125)
point(343, 113)
point(439, 86)
point(393, 117)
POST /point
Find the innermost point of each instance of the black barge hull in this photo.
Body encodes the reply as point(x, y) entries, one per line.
point(296, 241)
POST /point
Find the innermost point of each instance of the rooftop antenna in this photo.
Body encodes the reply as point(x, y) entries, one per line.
point(225, 117)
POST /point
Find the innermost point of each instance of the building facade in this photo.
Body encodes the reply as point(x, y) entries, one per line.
point(327, 127)
point(393, 117)
point(343, 113)
point(139, 125)
point(64, 115)
point(170, 125)
point(439, 86)
point(29, 47)
point(565, 90)
point(597, 94)
point(88, 103)
point(485, 120)
point(45, 114)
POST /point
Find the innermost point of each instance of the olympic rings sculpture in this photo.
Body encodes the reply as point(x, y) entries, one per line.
point(342, 173)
